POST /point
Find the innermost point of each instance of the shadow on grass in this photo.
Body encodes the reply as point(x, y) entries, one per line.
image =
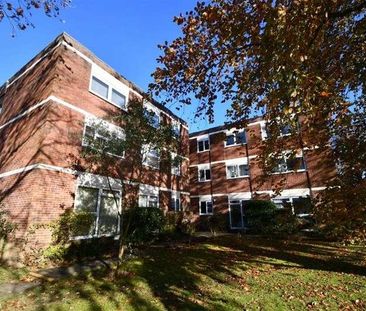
point(205, 275)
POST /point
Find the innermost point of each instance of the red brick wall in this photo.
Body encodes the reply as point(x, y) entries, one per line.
point(37, 197)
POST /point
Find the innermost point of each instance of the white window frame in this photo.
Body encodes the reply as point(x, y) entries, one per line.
point(112, 83)
point(177, 128)
point(206, 201)
point(285, 156)
point(152, 109)
point(176, 170)
point(228, 176)
point(101, 184)
point(150, 192)
point(204, 168)
point(147, 151)
point(96, 123)
point(203, 140)
point(234, 132)
point(174, 198)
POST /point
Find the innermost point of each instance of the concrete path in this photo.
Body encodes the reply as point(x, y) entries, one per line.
point(52, 274)
point(16, 288)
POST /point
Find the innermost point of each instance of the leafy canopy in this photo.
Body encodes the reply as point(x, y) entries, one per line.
point(19, 13)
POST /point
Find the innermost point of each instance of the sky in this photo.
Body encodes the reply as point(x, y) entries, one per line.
point(124, 34)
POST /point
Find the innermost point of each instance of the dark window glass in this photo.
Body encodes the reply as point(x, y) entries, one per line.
point(207, 144)
point(208, 174)
point(230, 140)
point(295, 164)
point(240, 138)
point(209, 207)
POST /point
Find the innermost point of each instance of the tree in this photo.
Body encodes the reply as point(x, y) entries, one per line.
point(18, 13)
point(141, 135)
point(287, 60)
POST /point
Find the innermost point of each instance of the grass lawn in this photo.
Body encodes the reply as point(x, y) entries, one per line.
point(225, 273)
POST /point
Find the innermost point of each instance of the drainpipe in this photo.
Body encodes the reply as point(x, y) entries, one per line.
point(249, 172)
point(301, 142)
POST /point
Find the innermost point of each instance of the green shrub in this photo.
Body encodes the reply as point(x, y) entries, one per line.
point(260, 215)
point(6, 227)
point(264, 217)
point(143, 224)
point(70, 224)
point(214, 223)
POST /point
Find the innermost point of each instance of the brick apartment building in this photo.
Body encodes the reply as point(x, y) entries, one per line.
point(47, 110)
point(58, 101)
point(225, 172)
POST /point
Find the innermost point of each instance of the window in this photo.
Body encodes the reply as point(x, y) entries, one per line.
point(103, 136)
point(112, 91)
point(151, 157)
point(175, 205)
point(203, 145)
point(176, 129)
point(204, 174)
point(99, 87)
point(103, 206)
point(118, 99)
point(153, 117)
point(206, 208)
point(289, 164)
point(285, 130)
point(236, 138)
point(238, 219)
point(176, 165)
point(237, 170)
point(1, 103)
point(147, 200)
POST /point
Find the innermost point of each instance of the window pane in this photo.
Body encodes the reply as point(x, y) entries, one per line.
point(240, 138)
point(286, 130)
point(209, 207)
point(200, 146)
point(118, 99)
point(232, 171)
point(207, 144)
point(230, 140)
point(99, 87)
point(243, 170)
point(143, 201)
point(176, 130)
point(302, 205)
point(153, 201)
point(295, 164)
point(202, 175)
point(1, 103)
point(87, 201)
point(208, 174)
point(108, 212)
point(203, 208)
point(177, 205)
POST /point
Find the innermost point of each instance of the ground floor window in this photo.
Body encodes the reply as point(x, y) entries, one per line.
point(206, 208)
point(299, 205)
point(175, 204)
point(146, 200)
point(103, 205)
point(238, 219)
